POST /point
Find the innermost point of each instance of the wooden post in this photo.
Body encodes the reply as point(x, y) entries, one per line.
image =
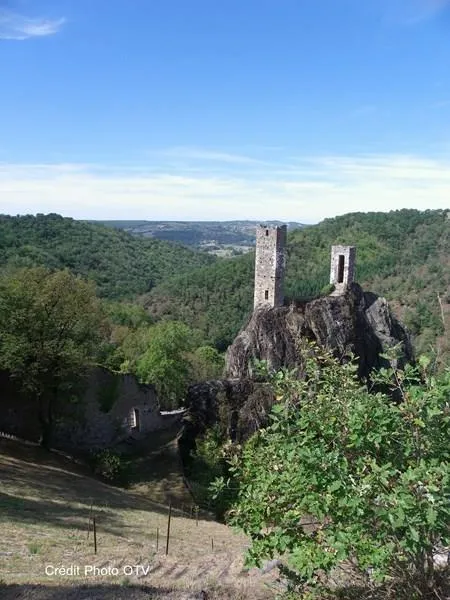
point(95, 535)
point(168, 529)
point(89, 521)
point(212, 544)
point(157, 539)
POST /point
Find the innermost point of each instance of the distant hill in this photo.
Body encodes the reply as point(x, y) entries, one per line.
point(224, 238)
point(403, 255)
point(121, 264)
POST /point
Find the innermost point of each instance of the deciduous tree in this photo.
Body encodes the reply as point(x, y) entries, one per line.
point(50, 326)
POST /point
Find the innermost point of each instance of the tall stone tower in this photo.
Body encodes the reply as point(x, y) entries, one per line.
point(342, 272)
point(270, 265)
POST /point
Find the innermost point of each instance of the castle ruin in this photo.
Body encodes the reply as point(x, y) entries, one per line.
point(342, 271)
point(270, 263)
point(270, 266)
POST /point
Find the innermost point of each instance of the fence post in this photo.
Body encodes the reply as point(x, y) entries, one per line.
point(212, 544)
point(168, 529)
point(89, 521)
point(95, 535)
point(157, 539)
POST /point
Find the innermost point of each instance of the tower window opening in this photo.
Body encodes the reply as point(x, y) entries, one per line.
point(266, 295)
point(267, 232)
point(135, 419)
point(341, 264)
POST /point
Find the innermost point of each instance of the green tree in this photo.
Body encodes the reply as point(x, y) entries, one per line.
point(206, 363)
point(165, 362)
point(370, 477)
point(50, 326)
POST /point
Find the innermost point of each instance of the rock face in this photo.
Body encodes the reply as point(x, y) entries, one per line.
point(238, 406)
point(357, 321)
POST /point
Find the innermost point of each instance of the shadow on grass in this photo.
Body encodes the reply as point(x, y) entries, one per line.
point(90, 592)
point(14, 509)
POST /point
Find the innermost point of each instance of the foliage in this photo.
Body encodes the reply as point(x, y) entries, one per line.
point(206, 363)
point(327, 289)
point(402, 255)
point(168, 354)
point(164, 362)
point(127, 314)
point(208, 463)
point(121, 265)
point(109, 465)
point(342, 474)
point(50, 328)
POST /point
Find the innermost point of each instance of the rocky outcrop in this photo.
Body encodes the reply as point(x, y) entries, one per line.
point(238, 406)
point(358, 322)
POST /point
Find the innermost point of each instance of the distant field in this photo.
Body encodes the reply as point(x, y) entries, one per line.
point(222, 238)
point(45, 504)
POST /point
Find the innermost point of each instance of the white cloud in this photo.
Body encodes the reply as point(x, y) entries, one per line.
point(305, 190)
point(14, 26)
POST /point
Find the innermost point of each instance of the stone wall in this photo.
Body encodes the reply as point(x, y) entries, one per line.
point(108, 409)
point(342, 270)
point(269, 266)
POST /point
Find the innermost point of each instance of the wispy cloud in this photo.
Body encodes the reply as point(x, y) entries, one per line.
point(308, 190)
point(411, 12)
point(14, 26)
point(424, 9)
point(441, 104)
point(202, 154)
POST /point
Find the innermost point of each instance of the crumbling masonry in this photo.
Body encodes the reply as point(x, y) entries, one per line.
point(342, 271)
point(270, 266)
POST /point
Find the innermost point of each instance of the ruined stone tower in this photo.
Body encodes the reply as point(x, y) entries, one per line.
point(342, 272)
point(269, 265)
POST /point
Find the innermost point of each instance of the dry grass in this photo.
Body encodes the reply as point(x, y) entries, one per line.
point(45, 502)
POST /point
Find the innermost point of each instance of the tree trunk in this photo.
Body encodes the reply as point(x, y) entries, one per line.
point(46, 420)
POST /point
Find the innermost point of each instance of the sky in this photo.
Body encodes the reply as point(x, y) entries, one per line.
point(294, 110)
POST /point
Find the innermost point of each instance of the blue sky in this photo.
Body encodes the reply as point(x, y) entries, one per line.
point(177, 109)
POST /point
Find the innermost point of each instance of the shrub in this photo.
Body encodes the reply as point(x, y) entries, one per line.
point(327, 289)
point(109, 465)
point(370, 476)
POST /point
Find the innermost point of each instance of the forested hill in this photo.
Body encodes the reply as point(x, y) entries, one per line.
point(122, 265)
point(402, 255)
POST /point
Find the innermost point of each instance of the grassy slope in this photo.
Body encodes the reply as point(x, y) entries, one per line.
point(122, 265)
point(403, 255)
point(45, 502)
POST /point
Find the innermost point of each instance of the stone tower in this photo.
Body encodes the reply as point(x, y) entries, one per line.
point(269, 265)
point(342, 272)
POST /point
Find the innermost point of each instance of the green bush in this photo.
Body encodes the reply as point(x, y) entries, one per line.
point(370, 476)
point(327, 289)
point(109, 465)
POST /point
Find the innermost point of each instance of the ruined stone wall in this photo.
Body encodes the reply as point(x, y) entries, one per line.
point(270, 266)
point(100, 415)
point(342, 270)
